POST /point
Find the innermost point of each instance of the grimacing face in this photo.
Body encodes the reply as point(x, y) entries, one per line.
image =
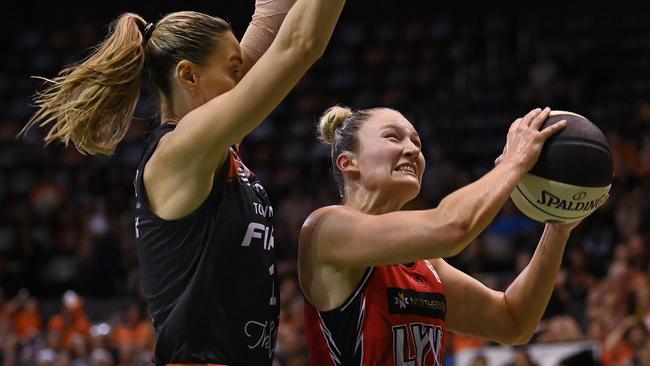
point(390, 155)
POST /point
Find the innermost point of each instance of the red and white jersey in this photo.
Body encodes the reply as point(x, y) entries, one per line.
point(396, 316)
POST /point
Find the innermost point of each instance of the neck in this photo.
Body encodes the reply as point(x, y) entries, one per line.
point(176, 107)
point(166, 117)
point(372, 202)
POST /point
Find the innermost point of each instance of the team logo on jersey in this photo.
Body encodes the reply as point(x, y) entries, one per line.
point(407, 301)
point(262, 335)
point(237, 168)
point(417, 344)
point(401, 300)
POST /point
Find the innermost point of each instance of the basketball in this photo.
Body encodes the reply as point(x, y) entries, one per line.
point(573, 175)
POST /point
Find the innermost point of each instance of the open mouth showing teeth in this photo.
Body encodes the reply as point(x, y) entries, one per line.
point(406, 168)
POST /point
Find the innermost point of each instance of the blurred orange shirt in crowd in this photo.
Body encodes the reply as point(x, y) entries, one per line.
point(142, 335)
point(461, 342)
point(27, 323)
point(72, 321)
point(619, 355)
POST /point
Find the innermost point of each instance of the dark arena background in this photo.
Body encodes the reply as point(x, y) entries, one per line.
point(70, 294)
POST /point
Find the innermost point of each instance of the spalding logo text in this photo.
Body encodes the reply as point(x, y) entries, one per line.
point(550, 199)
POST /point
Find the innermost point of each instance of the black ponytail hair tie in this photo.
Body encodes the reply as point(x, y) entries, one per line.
point(147, 31)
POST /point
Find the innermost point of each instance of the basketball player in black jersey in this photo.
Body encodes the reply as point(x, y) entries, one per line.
point(204, 225)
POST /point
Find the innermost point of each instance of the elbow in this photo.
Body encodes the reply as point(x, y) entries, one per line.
point(307, 47)
point(518, 339)
point(523, 340)
point(311, 50)
point(517, 331)
point(315, 47)
point(520, 335)
point(513, 337)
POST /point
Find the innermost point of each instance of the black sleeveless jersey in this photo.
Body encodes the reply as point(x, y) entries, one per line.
point(209, 278)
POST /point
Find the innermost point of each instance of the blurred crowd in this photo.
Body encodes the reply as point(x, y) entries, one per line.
point(66, 220)
point(70, 337)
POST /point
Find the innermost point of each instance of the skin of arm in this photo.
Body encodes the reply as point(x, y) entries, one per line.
point(262, 29)
point(508, 317)
point(337, 243)
point(341, 235)
point(185, 160)
point(345, 237)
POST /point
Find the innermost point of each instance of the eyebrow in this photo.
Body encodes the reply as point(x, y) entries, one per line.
point(398, 127)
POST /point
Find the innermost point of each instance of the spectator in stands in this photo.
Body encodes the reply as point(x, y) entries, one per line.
point(133, 335)
point(521, 358)
point(479, 360)
point(27, 320)
point(71, 322)
point(101, 357)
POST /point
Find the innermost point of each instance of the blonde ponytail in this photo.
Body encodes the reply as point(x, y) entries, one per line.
point(92, 103)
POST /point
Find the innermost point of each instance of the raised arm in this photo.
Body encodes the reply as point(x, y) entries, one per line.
point(508, 317)
point(207, 131)
point(185, 160)
point(262, 29)
point(344, 237)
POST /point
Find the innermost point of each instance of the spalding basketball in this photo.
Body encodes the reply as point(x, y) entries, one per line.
point(573, 175)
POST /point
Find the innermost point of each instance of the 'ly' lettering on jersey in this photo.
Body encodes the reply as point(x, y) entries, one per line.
point(425, 339)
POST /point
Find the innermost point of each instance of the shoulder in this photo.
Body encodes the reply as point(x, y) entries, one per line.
point(311, 230)
point(327, 214)
point(329, 230)
point(313, 221)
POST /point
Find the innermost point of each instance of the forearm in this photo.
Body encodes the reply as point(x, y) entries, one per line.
point(475, 205)
point(528, 295)
point(263, 28)
point(308, 27)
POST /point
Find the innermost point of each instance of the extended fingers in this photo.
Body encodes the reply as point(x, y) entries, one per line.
point(515, 123)
point(539, 119)
point(528, 118)
point(552, 129)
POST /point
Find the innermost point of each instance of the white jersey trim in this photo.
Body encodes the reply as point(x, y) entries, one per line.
point(360, 288)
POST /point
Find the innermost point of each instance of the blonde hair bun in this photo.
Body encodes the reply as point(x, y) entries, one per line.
point(332, 119)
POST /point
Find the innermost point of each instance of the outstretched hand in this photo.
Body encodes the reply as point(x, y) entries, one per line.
point(525, 140)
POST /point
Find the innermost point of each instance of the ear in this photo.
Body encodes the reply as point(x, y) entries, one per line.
point(347, 163)
point(186, 74)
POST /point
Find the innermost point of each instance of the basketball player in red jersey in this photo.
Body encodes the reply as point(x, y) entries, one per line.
point(203, 223)
point(378, 291)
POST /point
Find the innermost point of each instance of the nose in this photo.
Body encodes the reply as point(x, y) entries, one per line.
point(412, 150)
